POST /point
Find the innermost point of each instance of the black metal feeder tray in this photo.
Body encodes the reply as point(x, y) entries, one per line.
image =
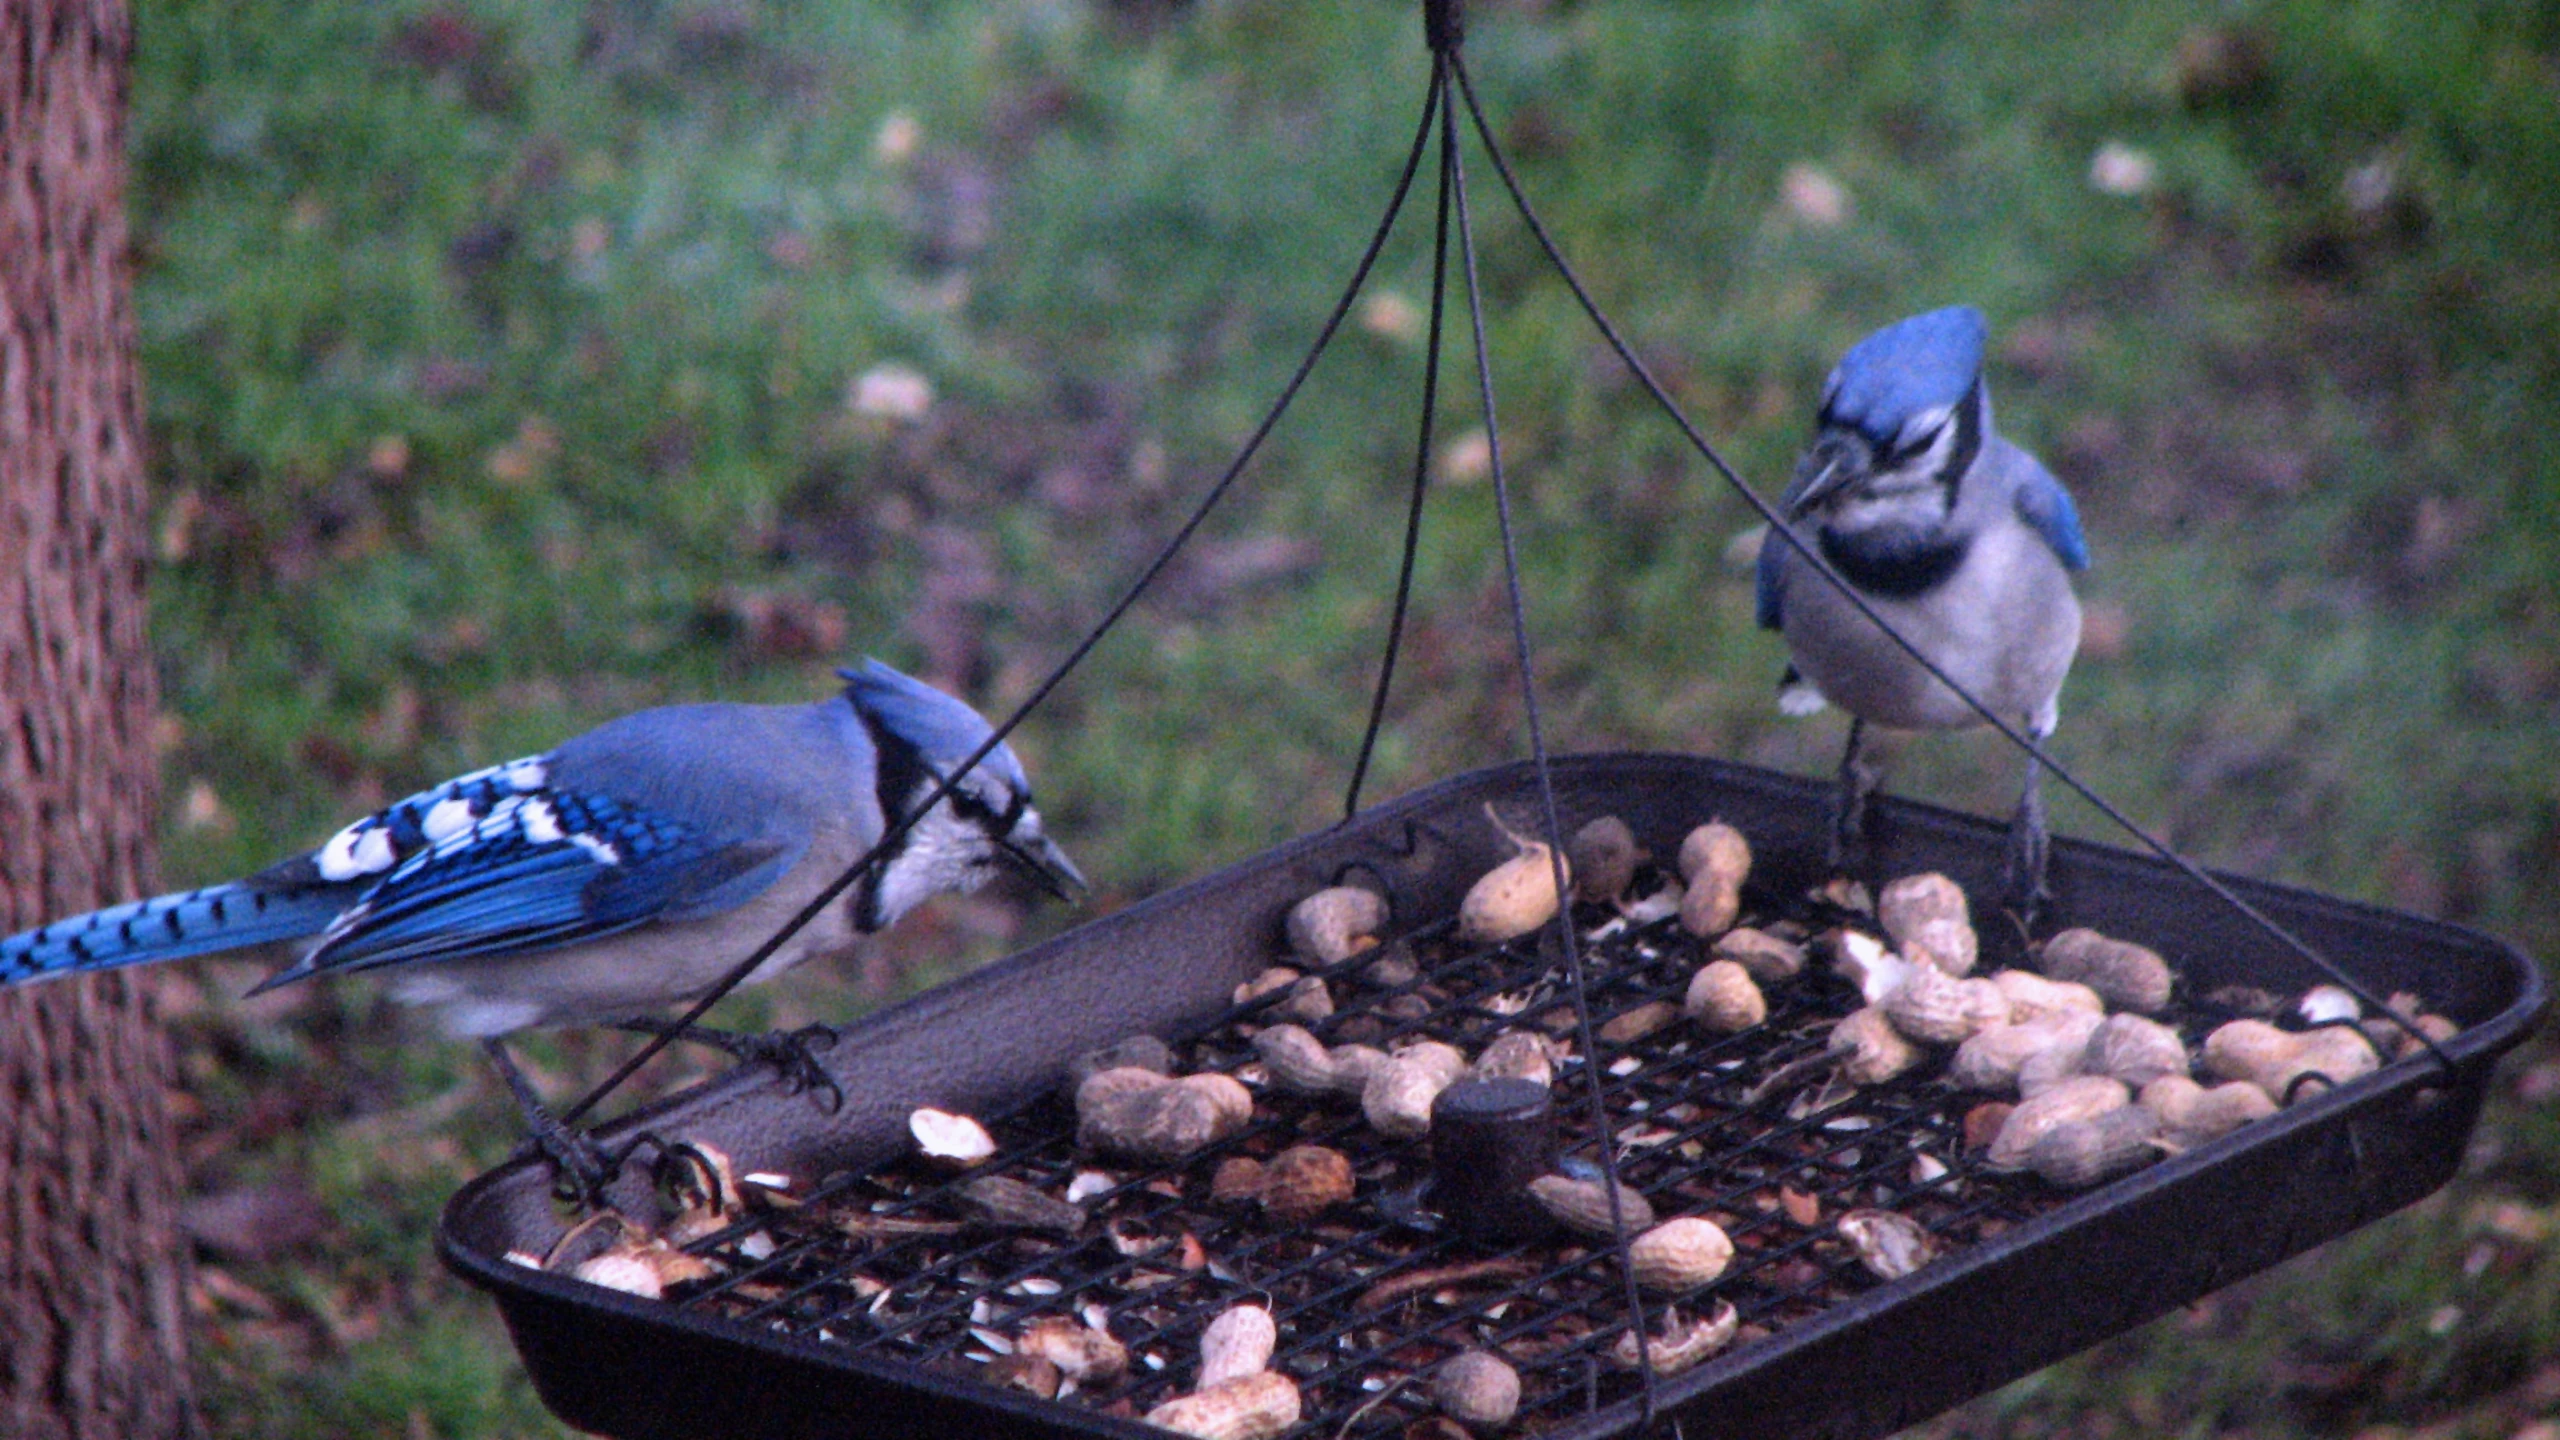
point(872, 1306)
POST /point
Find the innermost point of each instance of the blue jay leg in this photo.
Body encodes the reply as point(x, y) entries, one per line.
point(583, 1166)
point(1858, 780)
point(793, 1052)
point(2030, 845)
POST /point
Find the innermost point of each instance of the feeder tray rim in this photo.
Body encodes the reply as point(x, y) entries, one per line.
point(2298, 1130)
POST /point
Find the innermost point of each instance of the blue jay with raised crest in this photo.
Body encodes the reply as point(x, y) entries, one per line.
point(624, 871)
point(1958, 538)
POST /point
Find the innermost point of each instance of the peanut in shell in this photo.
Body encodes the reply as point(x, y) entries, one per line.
point(1724, 999)
point(1296, 1060)
point(1261, 1406)
point(1236, 1344)
point(1582, 1206)
point(1680, 1254)
point(2081, 1153)
point(1869, 1050)
point(1477, 1388)
point(2125, 975)
point(2083, 1097)
point(1397, 1099)
point(1334, 924)
point(2191, 1114)
point(1929, 921)
point(1304, 1181)
point(2134, 1049)
point(1603, 856)
point(2281, 1061)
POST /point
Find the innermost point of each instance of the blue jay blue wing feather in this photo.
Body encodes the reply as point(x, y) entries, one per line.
point(1769, 581)
point(540, 870)
point(528, 900)
point(2047, 507)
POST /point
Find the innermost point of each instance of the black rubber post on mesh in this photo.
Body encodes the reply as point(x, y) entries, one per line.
point(1434, 107)
point(1782, 531)
point(1489, 1139)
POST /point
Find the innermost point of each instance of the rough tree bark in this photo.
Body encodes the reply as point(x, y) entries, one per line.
point(92, 1320)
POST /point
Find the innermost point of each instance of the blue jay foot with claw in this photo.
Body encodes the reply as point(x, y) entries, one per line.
point(794, 1053)
point(581, 1168)
point(2030, 847)
point(1859, 778)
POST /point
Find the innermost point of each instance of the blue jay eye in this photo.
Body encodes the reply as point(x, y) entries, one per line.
point(1919, 433)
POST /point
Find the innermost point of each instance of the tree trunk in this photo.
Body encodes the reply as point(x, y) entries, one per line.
point(92, 1278)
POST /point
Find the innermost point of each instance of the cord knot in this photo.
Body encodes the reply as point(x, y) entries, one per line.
point(1444, 25)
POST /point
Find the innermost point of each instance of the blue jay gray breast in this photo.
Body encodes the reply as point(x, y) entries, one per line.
point(2002, 621)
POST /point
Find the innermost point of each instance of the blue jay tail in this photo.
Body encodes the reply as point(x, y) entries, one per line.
point(166, 927)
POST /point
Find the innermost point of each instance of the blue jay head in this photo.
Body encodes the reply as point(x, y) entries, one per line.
point(1903, 416)
point(922, 736)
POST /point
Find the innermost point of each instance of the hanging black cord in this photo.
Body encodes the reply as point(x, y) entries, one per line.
point(1432, 108)
point(1780, 530)
point(1421, 469)
point(1549, 818)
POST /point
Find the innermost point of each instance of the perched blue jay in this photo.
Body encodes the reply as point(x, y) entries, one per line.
point(1957, 537)
point(625, 871)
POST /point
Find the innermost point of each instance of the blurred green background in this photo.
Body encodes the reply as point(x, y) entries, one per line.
point(512, 365)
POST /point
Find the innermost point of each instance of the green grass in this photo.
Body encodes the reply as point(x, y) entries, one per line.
point(499, 358)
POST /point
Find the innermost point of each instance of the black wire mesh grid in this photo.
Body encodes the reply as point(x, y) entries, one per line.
point(1369, 1298)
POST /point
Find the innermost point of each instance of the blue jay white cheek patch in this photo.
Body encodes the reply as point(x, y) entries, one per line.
point(1933, 419)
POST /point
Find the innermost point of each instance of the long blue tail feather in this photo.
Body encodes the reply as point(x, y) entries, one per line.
point(167, 927)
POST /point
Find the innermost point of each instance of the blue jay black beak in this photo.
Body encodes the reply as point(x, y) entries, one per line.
point(1834, 464)
point(1047, 866)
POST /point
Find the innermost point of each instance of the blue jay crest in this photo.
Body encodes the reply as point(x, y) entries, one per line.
point(1908, 377)
point(942, 730)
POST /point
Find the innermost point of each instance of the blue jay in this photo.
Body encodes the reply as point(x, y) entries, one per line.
point(624, 871)
point(1958, 538)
